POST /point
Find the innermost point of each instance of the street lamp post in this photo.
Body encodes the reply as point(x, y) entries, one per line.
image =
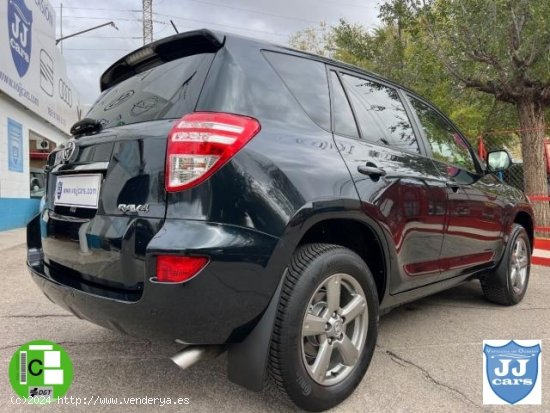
point(86, 31)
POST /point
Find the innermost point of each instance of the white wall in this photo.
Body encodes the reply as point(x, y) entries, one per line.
point(16, 184)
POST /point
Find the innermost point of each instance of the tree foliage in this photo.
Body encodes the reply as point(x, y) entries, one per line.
point(500, 47)
point(406, 58)
point(318, 40)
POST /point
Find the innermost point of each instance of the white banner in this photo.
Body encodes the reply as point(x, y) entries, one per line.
point(32, 69)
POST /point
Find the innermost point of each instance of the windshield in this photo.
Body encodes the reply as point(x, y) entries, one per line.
point(164, 92)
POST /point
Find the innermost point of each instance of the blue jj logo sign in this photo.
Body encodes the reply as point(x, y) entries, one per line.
point(512, 372)
point(20, 34)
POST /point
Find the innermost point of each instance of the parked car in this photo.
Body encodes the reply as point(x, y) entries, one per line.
point(235, 195)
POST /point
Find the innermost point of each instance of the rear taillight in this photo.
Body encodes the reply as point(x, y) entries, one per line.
point(202, 142)
point(177, 269)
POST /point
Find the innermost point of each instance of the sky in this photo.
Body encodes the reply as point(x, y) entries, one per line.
point(88, 55)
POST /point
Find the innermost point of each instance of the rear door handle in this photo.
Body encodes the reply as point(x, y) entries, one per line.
point(371, 170)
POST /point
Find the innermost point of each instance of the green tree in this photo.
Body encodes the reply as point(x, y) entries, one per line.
point(318, 39)
point(501, 48)
point(400, 52)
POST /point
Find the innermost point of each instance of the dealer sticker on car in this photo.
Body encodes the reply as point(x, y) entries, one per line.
point(80, 191)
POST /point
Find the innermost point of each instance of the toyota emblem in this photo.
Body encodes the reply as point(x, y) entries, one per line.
point(68, 151)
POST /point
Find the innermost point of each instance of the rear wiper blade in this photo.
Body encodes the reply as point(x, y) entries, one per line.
point(86, 126)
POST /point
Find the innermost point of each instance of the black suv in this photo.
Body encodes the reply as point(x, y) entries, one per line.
point(235, 195)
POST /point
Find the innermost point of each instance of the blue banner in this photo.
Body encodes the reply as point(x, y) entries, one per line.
point(15, 146)
point(20, 34)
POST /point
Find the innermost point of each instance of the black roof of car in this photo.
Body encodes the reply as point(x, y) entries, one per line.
point(205, 41)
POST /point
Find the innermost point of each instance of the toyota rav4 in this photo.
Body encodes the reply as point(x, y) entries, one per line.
point(230, 194)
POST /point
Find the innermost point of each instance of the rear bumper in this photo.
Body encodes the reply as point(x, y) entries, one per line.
point(220, 305)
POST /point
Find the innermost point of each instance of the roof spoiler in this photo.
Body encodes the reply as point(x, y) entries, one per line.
point(159, 52)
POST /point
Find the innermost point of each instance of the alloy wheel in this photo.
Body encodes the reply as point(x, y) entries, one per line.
point(519, 263)
point(334, 329)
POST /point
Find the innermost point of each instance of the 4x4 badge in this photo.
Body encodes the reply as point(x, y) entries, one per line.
point(125, 208)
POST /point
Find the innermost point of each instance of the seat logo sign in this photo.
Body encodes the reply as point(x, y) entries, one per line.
point(20, 34)
point(40, 370)
point(512, 372)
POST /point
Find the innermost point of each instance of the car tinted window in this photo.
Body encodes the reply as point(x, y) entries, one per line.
point(164, 92)
point(307, 81)
point(446, 143)
point(344, 122)
point(380, 113)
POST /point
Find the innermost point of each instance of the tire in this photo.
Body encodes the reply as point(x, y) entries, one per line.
point(507, 284)
point(295, 360)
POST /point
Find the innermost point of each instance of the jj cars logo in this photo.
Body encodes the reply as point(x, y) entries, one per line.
point(20, 34)
point(512, 372)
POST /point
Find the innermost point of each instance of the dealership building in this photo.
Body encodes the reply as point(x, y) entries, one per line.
point(38, 105)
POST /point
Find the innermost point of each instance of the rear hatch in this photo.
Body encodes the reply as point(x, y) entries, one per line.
point(106, 196)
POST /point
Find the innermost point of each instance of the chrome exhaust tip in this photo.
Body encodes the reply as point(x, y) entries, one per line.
point(193, 354)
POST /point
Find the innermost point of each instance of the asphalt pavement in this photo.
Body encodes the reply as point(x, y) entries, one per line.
point(428, 358)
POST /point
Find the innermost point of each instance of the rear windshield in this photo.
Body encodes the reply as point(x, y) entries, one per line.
point(164, 92)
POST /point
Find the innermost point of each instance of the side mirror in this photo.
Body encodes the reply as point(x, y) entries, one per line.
point(498, 161)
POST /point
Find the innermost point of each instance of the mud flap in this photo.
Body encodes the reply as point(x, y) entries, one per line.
point(247, 360)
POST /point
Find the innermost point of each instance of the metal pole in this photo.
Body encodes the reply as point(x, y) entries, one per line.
point(61, 25)
point(147, 21)
point(85, 31)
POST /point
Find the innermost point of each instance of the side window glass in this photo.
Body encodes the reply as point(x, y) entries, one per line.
point(380, 114)
point(307, 81)
point(344, 122)
point(446, 143)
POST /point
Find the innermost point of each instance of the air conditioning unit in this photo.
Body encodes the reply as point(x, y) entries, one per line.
point(44, 144)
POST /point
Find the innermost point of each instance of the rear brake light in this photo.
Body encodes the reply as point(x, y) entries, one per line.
point(200, 143)
point(176, 269)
